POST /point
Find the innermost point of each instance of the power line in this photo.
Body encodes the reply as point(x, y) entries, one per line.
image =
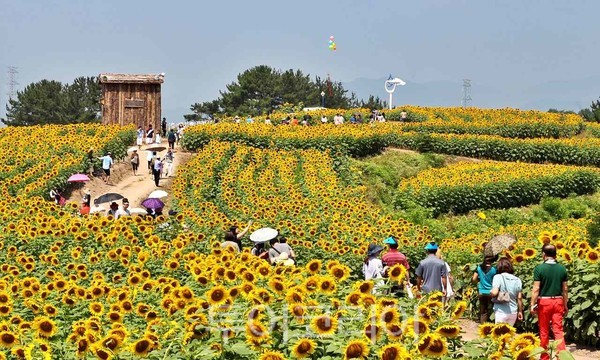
point(466, 93)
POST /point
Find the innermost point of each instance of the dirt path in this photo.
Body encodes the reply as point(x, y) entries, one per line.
point(136, 188)
point(470, 332)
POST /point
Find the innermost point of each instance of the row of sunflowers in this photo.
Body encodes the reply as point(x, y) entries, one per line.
point(369, 139)
point(465, 186)
point(507, 122)
point(39, 157)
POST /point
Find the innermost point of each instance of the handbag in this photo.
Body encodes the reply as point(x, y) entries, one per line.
point(503, 296)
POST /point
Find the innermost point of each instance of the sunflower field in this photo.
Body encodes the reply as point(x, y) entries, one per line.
point(510, 123)
point(462, 187)
point(91, 287)
point(40, 157)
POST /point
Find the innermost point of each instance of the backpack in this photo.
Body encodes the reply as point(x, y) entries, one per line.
point(171, 136)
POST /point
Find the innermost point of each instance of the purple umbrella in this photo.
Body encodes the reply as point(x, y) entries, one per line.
point(78, 178)
point(153, 204)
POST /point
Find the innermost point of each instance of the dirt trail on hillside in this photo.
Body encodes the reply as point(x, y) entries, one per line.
point(470, 332)
point(136, 188)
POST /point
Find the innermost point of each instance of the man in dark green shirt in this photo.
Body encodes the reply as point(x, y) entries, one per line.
point(549, 298)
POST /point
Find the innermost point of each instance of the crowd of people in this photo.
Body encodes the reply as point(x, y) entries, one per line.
point(307, 120)
point(499, 289)
point(275, 250)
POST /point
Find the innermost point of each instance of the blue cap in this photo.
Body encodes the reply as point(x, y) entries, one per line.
point(431, 246)
point(390, 241)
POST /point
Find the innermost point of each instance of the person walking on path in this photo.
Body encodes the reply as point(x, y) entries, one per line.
point(149, 135)
point(156, 170)
point(484, 274)
point(140, 137)
point(163, 126)
point(107, 163)
point(135, 162)
point(549, 298)
point(504, 281)
point(169, 157)
point(171, 138)
point(150, 158)
point(448, 290)
point(431, 272)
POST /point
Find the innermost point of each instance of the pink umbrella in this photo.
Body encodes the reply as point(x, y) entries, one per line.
point(78, 178)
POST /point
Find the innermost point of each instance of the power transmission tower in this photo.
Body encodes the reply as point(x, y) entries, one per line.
point(466, 93)
point(12, 82)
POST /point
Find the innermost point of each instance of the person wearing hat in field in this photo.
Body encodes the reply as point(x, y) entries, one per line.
point(432, 274)
point(373, 266)
point(393, 257)
point(114, 208)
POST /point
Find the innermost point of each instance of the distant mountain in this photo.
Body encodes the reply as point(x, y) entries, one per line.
point(568, 95)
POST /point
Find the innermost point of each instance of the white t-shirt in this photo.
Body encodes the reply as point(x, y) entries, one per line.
point(122, 212)
point(373, 269)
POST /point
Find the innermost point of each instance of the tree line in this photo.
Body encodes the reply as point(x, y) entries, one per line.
point(263, 89)
point(52, 102)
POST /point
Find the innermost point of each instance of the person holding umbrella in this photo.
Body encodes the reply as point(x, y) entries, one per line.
point(157, 169)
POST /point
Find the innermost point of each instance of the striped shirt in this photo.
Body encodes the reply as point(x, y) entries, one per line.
point(393, 257)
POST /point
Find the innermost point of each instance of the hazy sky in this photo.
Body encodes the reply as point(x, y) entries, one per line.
point(202, 45)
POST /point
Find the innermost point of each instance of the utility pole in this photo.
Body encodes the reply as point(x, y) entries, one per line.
point(12, 82)
point(466, 93)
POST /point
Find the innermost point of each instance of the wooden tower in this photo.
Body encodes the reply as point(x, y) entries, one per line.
point(131, 99)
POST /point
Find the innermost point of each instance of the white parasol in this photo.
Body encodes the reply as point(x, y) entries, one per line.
point(158, 194)
point(264, 235)
point(95, 209)
point(138, 211)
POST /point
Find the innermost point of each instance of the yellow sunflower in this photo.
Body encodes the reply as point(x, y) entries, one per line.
point(142, 347)
point(304, 348)
point(217, 295)
point(324, 325)
point(459, 309)
point(502, 329)
point(449, 331)
point(524, 353)
point(356, 349)
point(271, 355)
point(8, 339)
point(394, 352)
point(45, 327)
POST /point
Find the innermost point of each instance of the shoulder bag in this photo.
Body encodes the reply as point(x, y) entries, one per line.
point(503, 296)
